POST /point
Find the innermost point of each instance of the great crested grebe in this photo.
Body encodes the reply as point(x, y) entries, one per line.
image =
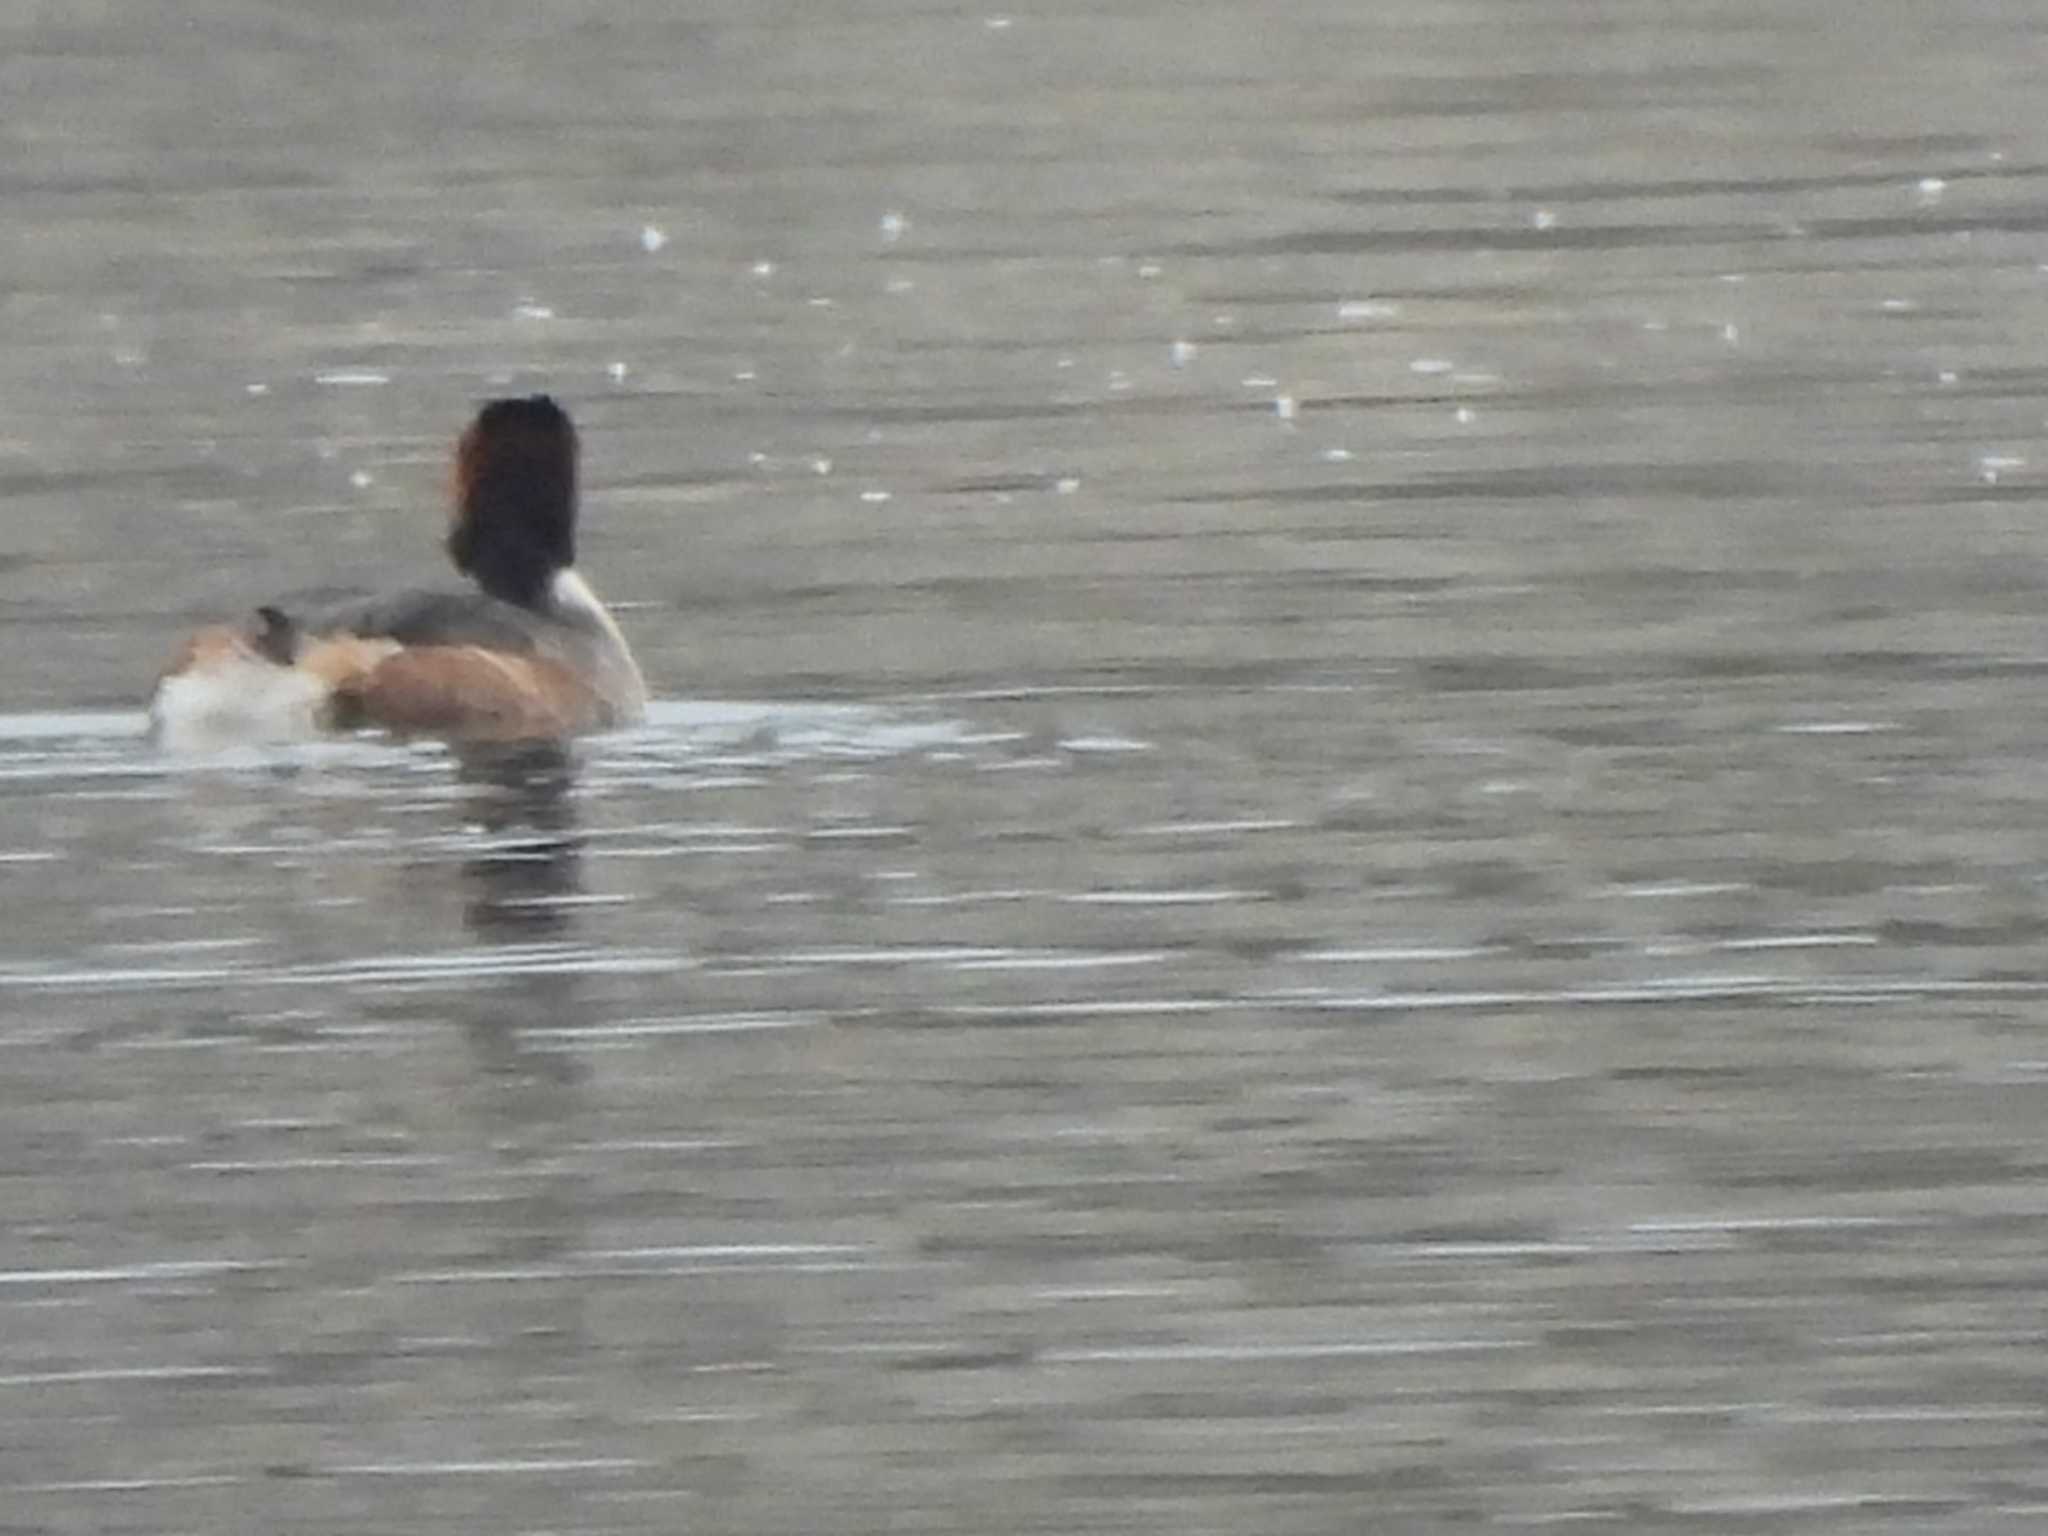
point(529, 654)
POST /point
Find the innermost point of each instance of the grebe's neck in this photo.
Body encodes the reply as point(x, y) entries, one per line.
point(507, 565)
point(571, 600)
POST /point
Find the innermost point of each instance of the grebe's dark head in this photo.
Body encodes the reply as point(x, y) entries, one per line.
point(515, 499)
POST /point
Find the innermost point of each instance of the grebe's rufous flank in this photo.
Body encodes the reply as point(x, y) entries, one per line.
point(529, 653)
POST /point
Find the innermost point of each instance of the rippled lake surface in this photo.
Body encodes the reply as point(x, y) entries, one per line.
point(1344, 833)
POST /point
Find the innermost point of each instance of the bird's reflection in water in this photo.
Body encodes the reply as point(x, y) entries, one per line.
point(520, 795)
point(521, 892)
point(528, 1102)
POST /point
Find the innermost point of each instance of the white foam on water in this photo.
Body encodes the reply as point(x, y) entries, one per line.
point(94, 744)
point(399, 969)
point(62, 724)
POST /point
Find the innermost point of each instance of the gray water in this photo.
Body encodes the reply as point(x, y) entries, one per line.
point(1343, 834)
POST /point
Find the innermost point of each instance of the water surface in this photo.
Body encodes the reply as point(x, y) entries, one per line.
point(1341, 833)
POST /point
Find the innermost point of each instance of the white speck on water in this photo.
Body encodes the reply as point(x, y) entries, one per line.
point(616, 372)
point(1066, 485)
point(757, 457)
point(1283, 1349)
point(1898, 306)
point(1464, 415)
point(1149, 269)
point(1104, 744)
point(821, 465)
point(874, 496)
point(1992, 465)
point(1055, 960)
point(528, 310)
point(764, 269)
point(744, 376)
point(1119, 381)
point(1794, 1223)
point(1198, 897)
point(1224, 322)
point(1657, 325)
point(1337, 455)
point(1657, 889)
point(1181, 353)
point(171, 1269)
point(1848, 939)
point(1214, 828)
point(1837, 727)
point(1063, 362)
point(314, 1164)
point(899, 285)
point(819, 302)
point(893, 225)
point(1395, 954)
point(1367, 309)
point(998, 23)
point(967, 898)
point(120, 1484)
point(362, 480)
point(652, 238)
point(1259, 381)
point(257, 389)
point(1732, 277)
point(1543, 218)
point(1731, 333)
point(1947, 377)
point(1284, 407)
point(1467, 378)
point(352, 378)
point(700, 1024)
point(1431, 365)
point(511, 1467)
point(1930, 188)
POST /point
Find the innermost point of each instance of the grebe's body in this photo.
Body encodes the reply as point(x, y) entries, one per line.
point(529, 653)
